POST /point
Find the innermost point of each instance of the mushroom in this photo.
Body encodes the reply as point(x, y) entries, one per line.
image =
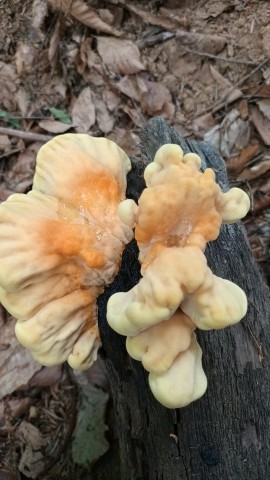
point(177, 214)
point(184, 382)
point(158, 346)
point(61, 244)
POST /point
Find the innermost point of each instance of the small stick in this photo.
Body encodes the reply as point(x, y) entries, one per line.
point(221, 59)
point(32, 137)
point(223, 102)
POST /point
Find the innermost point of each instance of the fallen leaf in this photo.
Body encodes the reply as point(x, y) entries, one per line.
point(53, 126)
point(24, 57)
point(17, 365)
point(83, 112)
point(39, 13)
point(132, 86)
point(264, 106)
point(105, 119)
point(127, 140)
point(261, 123)
point(23, 100)
point(16, 406)
point(152, 19)
point(120, 56)
point(60, 115)
point(46, 377)
point(266, 75)
point(89, 441)
point(224, 137)
point(32, 461)
point(135, 115)
point(215, 9)
point(256, 171)
point(236, 164)
point(111, 99)
point(55, 41)
point(265, 32)
point(212, 44)
point(88, 64)
point(85, 14)
point(158, 101)
point(176, 15)
point(203, 123)
point(8, 86)
point(4, 143)
point(97, 375)
point(19, 177)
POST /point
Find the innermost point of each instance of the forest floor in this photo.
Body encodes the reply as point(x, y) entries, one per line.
point(105, 68)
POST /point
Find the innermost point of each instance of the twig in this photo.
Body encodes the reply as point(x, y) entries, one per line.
point(33, 137)
point(154, 39)
point(11, 152)
point(223, 102)
point(221, 59)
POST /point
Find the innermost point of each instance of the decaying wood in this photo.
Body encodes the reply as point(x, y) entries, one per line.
point(225, 434)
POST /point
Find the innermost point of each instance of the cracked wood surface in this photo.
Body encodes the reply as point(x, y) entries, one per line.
point(225, 434)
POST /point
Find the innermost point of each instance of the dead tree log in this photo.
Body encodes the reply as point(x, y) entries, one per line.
point(225, 434)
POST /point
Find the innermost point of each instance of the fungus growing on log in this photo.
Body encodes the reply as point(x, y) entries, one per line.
point(177, 214)
point(61, 244)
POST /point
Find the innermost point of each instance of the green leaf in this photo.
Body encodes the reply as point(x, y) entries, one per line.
point(60, 115)
point(14, 122)
point(3, 114)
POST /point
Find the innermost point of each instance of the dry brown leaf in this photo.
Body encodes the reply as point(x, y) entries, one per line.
point(83, 112)
point(265, 32)
point(135, 115)
point(20, 176)
point(105, 119)
point(236, 164)
point(16, 406)
point(127, 140)
point(8, 86)
point(212, 44)
point(17, 365)
point(111, 99)
point(158, 101)
point(23, 100)
point(264, 106)
point(176, 15)
point(255, 172)
point(46, 376)
point(53, 126)
point(32, 461)
point(152, 19)
point(55, 41)
point(88, 64)
point(39, 13)
point(261, 123)
point(97, 375)
point(215, 9)
point(85, 14)
point(132, 86)
point(5, 143)
point(224, 136)
point(120, 56)
point(24, 57)
point(203, 123)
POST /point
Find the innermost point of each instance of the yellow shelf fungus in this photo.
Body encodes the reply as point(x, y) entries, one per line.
point(177, 214)
point(61, 244)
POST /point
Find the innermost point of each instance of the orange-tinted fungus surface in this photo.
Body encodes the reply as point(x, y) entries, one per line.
point(61, 244)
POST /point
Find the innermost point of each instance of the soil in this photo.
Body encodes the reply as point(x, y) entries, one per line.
point(203, 65)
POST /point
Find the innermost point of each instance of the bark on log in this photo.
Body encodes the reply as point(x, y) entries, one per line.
point(225, 434)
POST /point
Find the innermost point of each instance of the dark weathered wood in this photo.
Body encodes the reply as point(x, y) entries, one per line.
point(225, 434)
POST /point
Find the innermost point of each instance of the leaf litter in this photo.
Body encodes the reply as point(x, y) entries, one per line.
point(105, 68)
